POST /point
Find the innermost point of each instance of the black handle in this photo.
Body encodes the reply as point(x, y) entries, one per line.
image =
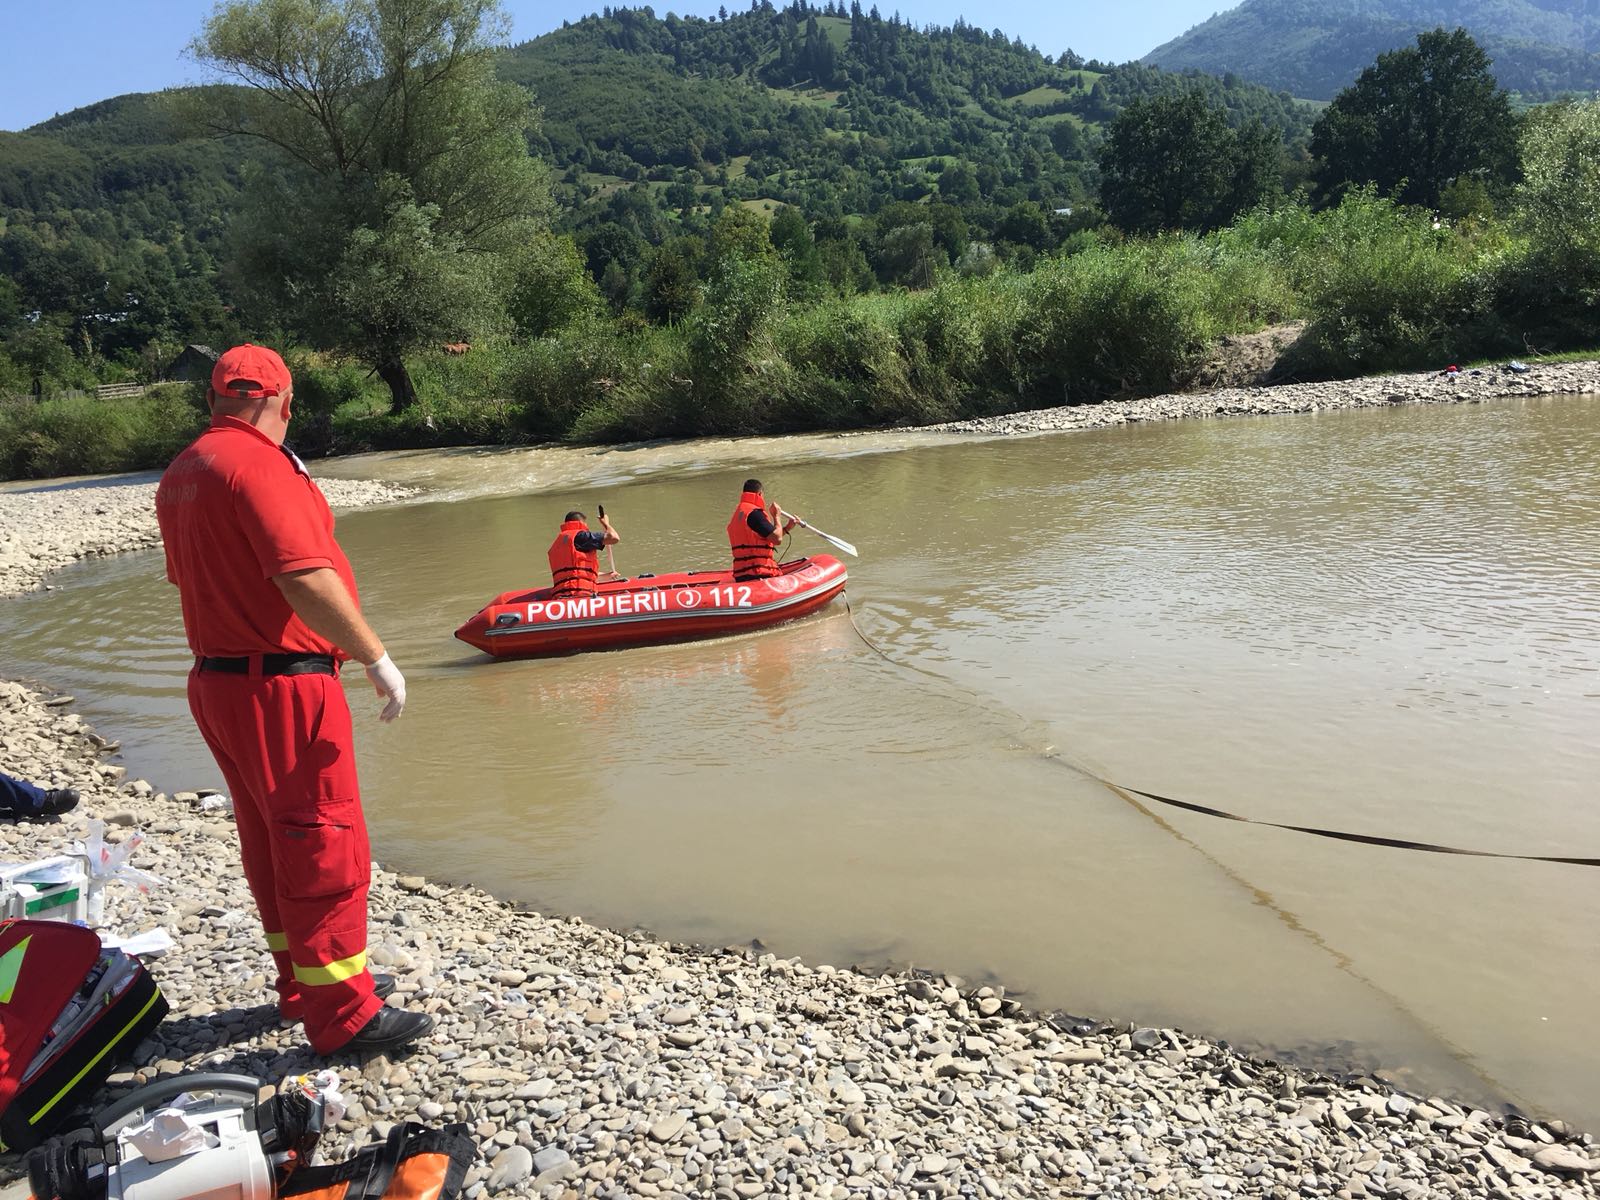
point(245, 1086)
point(601, 509)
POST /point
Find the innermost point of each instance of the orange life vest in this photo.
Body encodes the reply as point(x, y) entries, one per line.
point(573, 571)
point(752, 553)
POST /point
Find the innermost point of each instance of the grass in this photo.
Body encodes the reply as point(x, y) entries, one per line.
point(1592, 354)
point(1042, 95)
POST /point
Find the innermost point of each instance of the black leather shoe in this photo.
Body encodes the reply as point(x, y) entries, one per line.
point(389, 1029)
point(58, 801)
point(382, 985)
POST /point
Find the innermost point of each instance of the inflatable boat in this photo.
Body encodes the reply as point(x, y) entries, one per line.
point(650, 608)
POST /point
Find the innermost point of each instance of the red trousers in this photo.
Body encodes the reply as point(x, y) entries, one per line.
point(283, 743)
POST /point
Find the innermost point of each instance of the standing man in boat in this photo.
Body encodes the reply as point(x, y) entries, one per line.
point(575, 555)
point(754, 533)
point(270, 610)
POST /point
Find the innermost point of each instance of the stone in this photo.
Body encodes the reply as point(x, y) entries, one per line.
point(509, 1168)
point(669, 1127)
point(1563, 1160)
point(550, 1158)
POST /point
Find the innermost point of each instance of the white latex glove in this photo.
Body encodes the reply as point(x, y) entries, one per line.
point(387, 681)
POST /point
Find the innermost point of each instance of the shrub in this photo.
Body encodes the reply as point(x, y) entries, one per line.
point(844, 366)
point(1111, 320)
point(81, 435)
point(1387, 287)
point(1554, 290)
point(730, 343)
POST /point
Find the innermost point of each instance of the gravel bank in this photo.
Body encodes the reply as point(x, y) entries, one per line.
point(46, 527)
point(1379, 391)
point(598, 1063)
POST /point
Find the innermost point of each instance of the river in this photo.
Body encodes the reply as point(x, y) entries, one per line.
point(1385, 621)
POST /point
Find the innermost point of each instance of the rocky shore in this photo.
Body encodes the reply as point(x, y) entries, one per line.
point(1378, 391)
point(590, 1062)
point(48, 526)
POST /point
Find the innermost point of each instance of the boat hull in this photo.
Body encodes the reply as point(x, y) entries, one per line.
point(650, 609)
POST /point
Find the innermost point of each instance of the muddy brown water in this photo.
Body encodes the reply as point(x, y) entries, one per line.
point(1383, 621)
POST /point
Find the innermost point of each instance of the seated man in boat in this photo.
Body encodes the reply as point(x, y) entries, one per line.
point(754, 534)
point(575, 555)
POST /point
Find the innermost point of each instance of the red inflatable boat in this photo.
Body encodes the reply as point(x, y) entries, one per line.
point(651, 608)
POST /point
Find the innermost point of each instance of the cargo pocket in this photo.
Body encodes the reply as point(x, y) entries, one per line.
point(321, 854)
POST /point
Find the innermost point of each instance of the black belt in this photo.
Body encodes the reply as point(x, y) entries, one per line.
point(272, 664)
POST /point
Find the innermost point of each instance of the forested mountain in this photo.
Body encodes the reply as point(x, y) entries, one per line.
point(1312, 48)
point(834, 110)
point(113, 223)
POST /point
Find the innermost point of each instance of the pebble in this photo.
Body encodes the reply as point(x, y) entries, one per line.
point(1541, 379)
point(509, 1168)
point(669, 1127)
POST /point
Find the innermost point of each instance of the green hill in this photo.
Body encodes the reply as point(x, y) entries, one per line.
point(833, 110)
point(1541, 48)
point(113, 223)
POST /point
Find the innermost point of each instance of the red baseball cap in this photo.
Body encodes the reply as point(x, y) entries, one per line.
point(250, 371)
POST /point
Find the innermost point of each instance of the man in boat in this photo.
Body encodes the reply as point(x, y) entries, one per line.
point(271, 614)
point(754, 533)
point(575, 555)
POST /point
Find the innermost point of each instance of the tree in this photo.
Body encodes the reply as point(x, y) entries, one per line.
point(907, 255)
point(549, 287)
point(958, 183)
point(671, 288)
point(1172, 162)
point(1558, 203)
point(404, 167)
point(1416, 120)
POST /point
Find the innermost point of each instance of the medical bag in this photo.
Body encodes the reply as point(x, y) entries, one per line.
point(70, 1012)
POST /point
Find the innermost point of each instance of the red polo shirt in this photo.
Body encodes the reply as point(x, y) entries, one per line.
point(235, 510)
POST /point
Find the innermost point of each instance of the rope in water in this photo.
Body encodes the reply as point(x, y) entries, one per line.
point(1366, 839)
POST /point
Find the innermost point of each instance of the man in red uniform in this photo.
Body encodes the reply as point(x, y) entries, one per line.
point(270, 610)
point(754, 533)
point(575, 554)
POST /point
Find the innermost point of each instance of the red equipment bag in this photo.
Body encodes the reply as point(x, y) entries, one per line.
point(69, 1012)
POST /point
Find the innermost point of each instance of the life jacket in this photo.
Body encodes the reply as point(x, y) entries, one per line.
point(752, 553)
point(573, 571)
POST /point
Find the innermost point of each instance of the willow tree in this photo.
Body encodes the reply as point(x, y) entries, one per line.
point(401, 173)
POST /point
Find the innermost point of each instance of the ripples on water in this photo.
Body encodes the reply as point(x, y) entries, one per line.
point(1382, 621)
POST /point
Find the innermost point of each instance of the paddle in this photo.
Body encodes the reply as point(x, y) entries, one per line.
point(610, 559)
point(827, 537)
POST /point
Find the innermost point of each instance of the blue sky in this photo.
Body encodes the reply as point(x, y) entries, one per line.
point(57, 55)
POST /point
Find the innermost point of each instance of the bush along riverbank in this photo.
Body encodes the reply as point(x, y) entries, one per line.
point(591, 1062)
point(1376, 285)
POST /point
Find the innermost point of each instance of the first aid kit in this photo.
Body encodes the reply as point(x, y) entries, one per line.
point(71, 1010)
point(48, 889)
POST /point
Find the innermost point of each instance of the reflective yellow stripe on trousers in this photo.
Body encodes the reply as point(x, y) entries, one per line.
point(334, 972)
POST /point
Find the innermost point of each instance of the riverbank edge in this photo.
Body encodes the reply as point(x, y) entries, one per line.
point(47, 525)
point(594, 1062)
point(1472, 386)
